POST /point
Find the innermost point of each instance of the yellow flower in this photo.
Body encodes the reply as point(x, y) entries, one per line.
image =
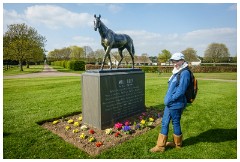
point(55, 122)
point(70, 121)
point(67, 127)
point(151, 119)
point(143, 122)
point(80, 118)
point(82, 136)
point(76, 124)
point(75, 131)
point(91, 139)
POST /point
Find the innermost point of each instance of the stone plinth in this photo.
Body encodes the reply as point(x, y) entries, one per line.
point(111, 95)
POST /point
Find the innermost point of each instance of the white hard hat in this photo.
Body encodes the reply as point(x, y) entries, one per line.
point(177, 56)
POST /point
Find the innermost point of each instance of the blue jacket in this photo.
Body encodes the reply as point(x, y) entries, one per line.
point(175, 97)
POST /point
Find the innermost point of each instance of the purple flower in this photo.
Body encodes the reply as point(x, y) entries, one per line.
point(126, 128)
point(137, 126)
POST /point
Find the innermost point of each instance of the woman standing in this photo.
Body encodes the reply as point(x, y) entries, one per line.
point(175, 102)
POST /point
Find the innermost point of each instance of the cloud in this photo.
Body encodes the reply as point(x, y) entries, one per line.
point(145, 41)
point(51, 16)
point(114, 8)
point(55, 16)
point(84, 41)
point(11, 17)
point(233, 7)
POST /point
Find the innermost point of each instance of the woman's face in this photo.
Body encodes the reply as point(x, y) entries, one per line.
point(177, 63)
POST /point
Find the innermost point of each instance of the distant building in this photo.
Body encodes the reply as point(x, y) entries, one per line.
point(138, 60)
point(196, 63)
point(193, 63)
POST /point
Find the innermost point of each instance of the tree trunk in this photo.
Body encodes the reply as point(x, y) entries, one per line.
point(20, 65)
point(27, 62)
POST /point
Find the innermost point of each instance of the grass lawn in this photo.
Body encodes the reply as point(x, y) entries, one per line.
point(15, 70)
point(62, 69)
point(209, 125)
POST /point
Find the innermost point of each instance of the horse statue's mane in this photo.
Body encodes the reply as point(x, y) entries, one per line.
point(110, 39)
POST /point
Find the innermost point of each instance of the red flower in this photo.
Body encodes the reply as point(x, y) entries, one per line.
point(98, 144)
point(117, 134)
point(91, 131)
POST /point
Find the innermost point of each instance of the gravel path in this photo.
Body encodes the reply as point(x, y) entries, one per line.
point(47, 72)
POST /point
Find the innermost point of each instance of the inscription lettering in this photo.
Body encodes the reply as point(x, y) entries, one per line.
point(123, 101)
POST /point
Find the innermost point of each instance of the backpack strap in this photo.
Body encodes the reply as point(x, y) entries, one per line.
point(179, 73)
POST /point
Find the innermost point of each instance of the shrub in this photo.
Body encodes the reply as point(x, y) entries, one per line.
point(76, 65)
point(73, 65)
point(149, 69)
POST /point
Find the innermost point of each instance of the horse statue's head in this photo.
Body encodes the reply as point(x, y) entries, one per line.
point(97, 22)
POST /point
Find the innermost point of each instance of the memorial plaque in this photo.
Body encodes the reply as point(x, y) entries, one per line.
point(111, 95)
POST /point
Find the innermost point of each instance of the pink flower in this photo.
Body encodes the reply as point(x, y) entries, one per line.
point(118, 125)
point(127, 123)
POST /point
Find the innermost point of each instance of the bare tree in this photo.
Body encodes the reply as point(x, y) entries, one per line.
point(215, 52)
point(190, 54)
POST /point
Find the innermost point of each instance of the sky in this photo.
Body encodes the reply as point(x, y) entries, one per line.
point(152, 26)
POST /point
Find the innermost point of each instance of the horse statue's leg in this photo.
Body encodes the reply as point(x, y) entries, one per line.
point(106, 54)
point(131, 52)
point(121, 55)
point(109, 57)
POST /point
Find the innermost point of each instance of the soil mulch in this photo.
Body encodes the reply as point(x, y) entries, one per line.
point(101, 140)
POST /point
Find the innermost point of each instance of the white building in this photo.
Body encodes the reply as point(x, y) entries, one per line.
point(196, 63)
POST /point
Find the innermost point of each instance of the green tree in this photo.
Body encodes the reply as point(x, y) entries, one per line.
point(190, 54)
point(164, 56)
point(23, 43)
point(77, 53)
point(6, 50)
point(216, 52)
point(60, 54)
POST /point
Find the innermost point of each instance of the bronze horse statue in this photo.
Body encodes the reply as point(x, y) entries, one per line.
point(110, 40)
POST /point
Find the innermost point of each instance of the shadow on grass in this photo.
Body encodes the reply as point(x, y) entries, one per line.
point(6, 134)
point(212, 135)
point(158, 107)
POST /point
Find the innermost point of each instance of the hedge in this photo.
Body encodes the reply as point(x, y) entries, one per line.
point(168, 69)
point(73, 65)
point(202, 69)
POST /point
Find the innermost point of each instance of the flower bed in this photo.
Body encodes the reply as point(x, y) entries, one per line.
point(93, 140)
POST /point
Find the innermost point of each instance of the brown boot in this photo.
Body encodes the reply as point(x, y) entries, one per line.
point(177, 141)
point(161, 143)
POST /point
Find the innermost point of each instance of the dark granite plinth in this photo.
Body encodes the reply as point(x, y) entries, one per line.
point(112, 95)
